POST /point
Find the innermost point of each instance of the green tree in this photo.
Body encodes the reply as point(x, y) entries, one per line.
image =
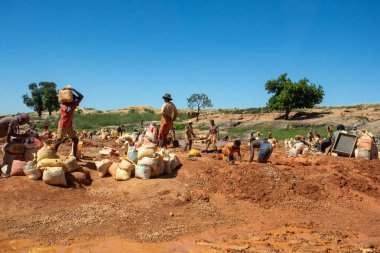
point(44, 96)
point(49, 96)
point(198, 101)
point(288, 95)
point(35, 101)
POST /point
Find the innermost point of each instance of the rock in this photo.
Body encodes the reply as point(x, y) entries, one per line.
point(80, 177)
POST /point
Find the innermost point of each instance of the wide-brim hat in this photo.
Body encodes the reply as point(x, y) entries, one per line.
point(167, 96)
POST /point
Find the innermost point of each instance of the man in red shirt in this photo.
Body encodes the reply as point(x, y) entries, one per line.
point(65, 124)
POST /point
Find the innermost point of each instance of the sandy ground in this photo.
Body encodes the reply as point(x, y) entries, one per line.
point(304, 204)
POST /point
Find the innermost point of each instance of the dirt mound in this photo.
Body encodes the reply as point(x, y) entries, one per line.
point(135, 109)
point(288, 179)
point(305, 203)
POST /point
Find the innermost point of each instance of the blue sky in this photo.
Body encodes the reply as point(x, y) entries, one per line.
point(126, 53)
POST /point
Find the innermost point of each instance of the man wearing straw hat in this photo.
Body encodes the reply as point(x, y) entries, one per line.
point(169, 115)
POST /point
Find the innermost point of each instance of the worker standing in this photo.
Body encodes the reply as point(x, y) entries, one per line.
point(65, 124)
point(169, 115)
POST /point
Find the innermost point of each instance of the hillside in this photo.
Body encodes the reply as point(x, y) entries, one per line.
point(236, 123)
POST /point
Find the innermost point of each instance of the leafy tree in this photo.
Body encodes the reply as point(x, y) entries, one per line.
point(43, 96)
point(35, 101)
point(50, 96)
point(288, 95)
point(199, 101)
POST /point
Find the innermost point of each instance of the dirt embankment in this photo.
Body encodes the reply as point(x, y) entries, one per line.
point(361, 117)
point(305, 204)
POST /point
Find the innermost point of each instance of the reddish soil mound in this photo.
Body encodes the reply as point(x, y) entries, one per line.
point(286, 179)
point(304, 203)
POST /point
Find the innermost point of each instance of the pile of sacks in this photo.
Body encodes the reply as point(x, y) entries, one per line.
point(201, 139)
point(18, 152)
point(289, 143)
point(298, 146)
point(105, 134)
point(128, 138)
point(366, 146)
point(108, 151)
point(144, 162)
point(46, 165)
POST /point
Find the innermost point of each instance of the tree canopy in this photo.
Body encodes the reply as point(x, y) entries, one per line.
point(288, 95)
point(42, 97)
point(198, 101)
point(49, 96)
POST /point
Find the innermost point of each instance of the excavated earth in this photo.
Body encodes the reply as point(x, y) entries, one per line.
point(303, 204)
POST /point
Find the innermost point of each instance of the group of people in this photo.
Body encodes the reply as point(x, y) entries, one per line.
point(211, 139)
point(9, 128)
point(324, 143)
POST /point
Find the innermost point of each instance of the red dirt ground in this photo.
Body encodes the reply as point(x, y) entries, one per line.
point(303, 204)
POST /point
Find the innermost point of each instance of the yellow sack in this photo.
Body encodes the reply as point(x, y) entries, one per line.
point(127, 166)
point(125, 157)
point(65, 96)
point(47, 162)
point(122, 175)
point(194, 153)
point(145, 152)
point(46, 152)
point(79, 151)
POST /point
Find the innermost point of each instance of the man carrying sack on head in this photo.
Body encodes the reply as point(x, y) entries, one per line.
point(65, 124)
point(169, 115)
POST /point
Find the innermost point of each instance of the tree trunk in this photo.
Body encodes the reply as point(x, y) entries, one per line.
point(39, 114)
point(198, 114)
point(49, 113)
point(287, 112)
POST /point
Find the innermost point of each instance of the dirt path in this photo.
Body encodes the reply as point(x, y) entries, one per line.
point(307, 204)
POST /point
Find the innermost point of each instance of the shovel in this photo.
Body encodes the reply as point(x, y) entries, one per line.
point(175, 141)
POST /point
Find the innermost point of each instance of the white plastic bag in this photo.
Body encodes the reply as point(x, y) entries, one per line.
point(6, 169)
point(151, 162)
point(296, 149)
point(362, 153)
point(54, 176)
point(31, 171)
point(174, 161)
point(71, 164)
point(142, 171)
point(102, 166)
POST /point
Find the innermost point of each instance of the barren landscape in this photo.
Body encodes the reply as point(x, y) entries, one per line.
point(303, 204)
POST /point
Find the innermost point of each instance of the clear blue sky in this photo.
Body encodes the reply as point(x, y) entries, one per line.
point(125, 53)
